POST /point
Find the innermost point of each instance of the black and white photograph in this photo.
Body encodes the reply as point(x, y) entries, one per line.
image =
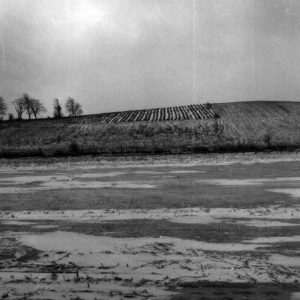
point(150, 149)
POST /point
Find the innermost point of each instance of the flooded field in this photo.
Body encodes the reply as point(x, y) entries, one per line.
point(187, 228)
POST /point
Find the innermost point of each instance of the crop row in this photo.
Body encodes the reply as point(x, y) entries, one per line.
point(177, 113)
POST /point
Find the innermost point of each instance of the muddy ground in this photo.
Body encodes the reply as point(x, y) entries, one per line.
point(189, 227)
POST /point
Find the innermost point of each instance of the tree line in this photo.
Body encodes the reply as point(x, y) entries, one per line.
point(33, 108)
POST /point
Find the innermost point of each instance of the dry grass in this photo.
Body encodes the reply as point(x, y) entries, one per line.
point(239, 126)
point(263, 124)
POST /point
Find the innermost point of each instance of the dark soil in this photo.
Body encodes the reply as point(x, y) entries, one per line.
point(236, 291)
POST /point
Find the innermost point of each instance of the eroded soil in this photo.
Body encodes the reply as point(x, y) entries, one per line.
point(190, 230)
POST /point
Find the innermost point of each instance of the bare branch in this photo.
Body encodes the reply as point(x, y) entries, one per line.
point(36, 107)
point(73, 108)
point(27, 105)
point(19, 107)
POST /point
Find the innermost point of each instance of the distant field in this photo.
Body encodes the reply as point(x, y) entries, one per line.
point(185, 129)
point(176, 113)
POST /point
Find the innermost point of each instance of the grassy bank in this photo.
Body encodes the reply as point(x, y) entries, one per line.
point(234, 127)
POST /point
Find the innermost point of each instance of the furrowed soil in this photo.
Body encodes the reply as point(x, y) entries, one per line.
point(151, 227)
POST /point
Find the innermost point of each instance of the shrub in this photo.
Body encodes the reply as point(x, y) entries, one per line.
point(267, 140)
point(74, 148)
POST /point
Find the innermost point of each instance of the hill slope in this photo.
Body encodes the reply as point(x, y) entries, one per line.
point(261, 123)
point(176, 113)
point(210, 127)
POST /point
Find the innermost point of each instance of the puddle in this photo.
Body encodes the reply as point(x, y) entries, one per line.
point(245, 182)
point(45, 226)
point(294, 192)
point(274, 239)
point(261, 223)
point(37, 178)
point(146, 172)
point(99, 184)
point(231, 182)
point(99, 175)
point(71, 241)
point(57, 184)
point(59, 181)
point(284, 260)
point(184, 172)
point(19, 223)
point(15, 170)
point(57, 177)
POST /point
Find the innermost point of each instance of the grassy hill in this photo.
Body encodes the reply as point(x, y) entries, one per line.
point(261, 123)
point(193, 128)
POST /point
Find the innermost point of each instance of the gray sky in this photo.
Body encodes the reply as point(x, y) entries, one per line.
point(130, 54)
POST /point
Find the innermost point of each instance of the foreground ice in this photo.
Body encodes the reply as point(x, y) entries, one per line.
point(241, 182)
point(113, 268)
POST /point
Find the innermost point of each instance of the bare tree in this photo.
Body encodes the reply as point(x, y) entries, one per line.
point(3, 107)
point(19, 107)
point(57, 109)
point(27, 105)
point(36, 107)
point(73, 108)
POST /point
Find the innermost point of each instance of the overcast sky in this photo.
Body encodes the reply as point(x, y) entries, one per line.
point(129, 54)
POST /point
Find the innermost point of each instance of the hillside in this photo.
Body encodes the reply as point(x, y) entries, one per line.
point(262, 124)
point(187, 112)
point(193, 128)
